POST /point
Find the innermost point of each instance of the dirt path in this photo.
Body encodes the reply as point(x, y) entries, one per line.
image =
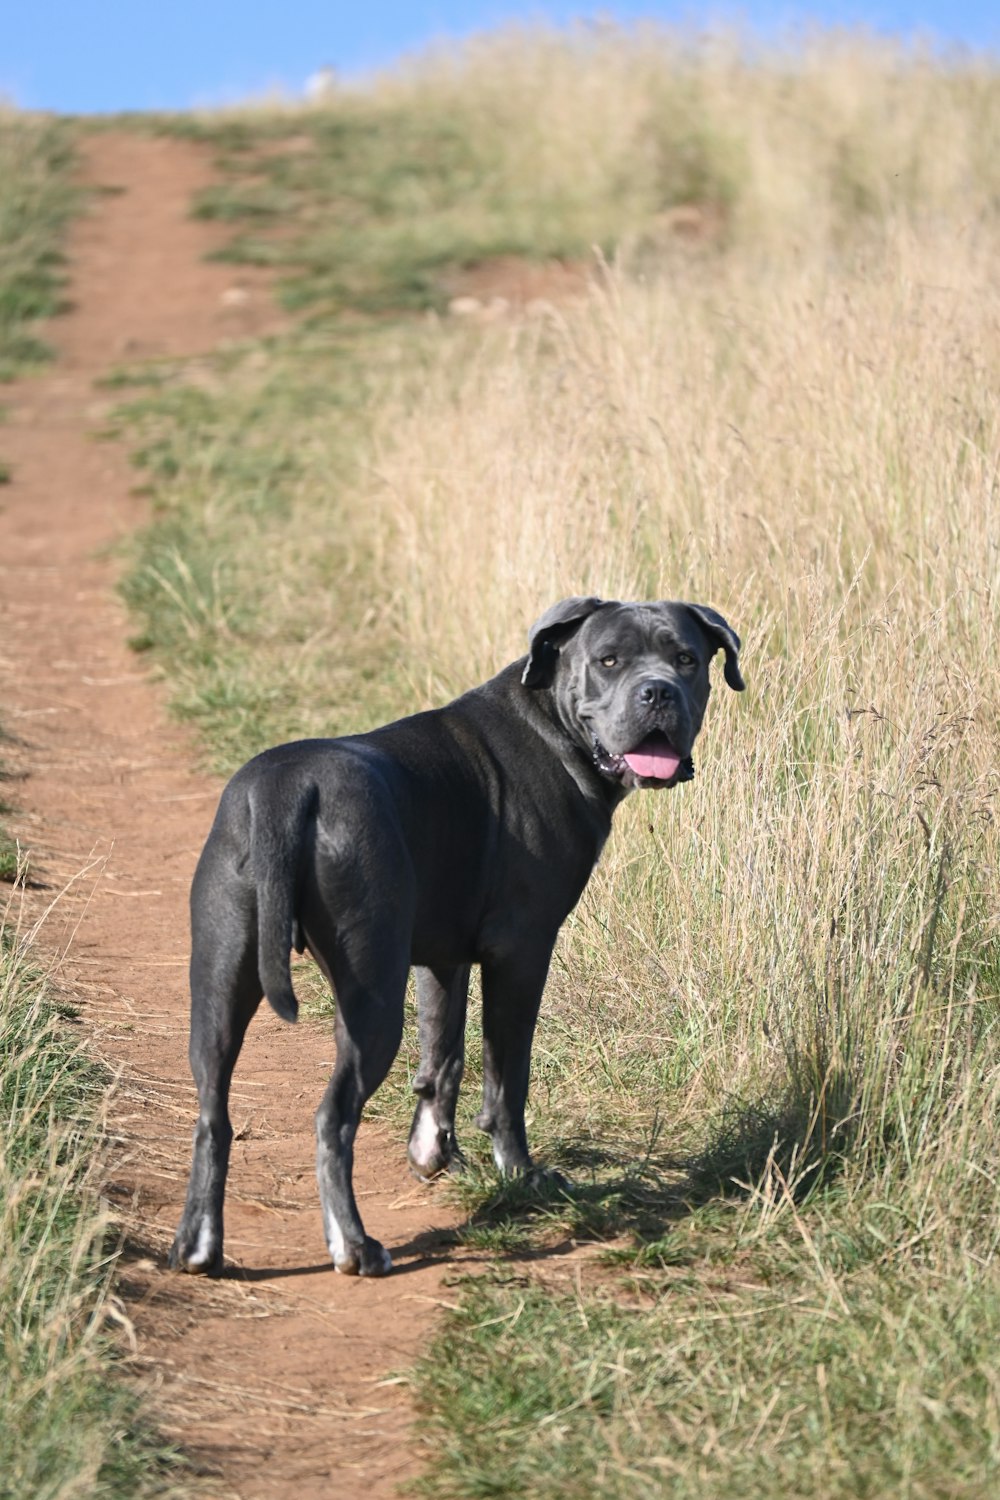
point(276, 1380)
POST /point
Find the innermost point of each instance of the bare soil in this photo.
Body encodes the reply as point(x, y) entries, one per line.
point(278, 1379)
point(506, 284)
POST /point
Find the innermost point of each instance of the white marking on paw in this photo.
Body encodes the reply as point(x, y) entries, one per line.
point(424, 1142)
point(204, 1249)
point(334, 1236)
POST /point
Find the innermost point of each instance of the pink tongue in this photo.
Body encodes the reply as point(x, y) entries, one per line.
point(654, 759)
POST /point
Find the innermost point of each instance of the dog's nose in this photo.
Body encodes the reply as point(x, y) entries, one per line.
point(656, 693)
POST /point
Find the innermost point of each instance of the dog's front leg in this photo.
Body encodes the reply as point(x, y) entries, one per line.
point(512, 994)
point(442, 1000)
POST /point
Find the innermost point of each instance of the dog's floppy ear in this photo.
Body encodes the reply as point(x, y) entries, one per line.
point(554, 626)
point(723, 635)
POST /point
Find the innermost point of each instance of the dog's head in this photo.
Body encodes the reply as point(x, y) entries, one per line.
point(631, 681)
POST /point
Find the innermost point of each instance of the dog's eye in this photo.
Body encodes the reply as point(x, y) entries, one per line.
point(684, 659)
point(609, 661)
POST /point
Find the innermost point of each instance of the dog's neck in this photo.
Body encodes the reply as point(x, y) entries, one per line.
point(540, 708)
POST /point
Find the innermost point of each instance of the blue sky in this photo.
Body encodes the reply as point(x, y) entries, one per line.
point(97, 55)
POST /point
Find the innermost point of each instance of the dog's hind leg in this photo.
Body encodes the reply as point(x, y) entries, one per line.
point(225, 993)
point(442, 997)
point(370, 987)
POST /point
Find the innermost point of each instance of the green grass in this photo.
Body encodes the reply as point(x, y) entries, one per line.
point(9, 862)
point(392, 197)
point(232, 466)
point(806, 1305)
point(36, 202)
point(65, 1426)
point(369, 210)
point(768, 1053)
point(775, 1373)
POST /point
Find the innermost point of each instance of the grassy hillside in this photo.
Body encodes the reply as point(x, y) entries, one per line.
point(769, 1050)
point(551, 144)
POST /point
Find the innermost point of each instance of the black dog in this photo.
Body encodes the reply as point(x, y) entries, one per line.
point(460, 836)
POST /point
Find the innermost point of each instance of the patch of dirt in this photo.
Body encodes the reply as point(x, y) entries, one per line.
point(506, 284)
point(279, 1378)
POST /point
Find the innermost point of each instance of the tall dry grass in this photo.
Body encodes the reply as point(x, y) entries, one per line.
point(814, 452)
point(796, 141)
point(785, 977)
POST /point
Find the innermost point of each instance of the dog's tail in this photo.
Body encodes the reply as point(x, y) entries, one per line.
point(278, 836)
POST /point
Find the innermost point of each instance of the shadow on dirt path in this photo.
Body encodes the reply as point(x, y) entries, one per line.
point(275, 1380)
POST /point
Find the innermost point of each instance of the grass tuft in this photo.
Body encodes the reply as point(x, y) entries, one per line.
point(65, 1427)
point(36, 202)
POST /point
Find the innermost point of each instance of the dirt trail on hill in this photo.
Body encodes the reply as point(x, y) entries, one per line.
point(273, 1379)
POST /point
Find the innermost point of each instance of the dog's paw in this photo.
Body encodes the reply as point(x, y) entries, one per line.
point(198, 1253)
point(548, 1180)
point(367, 1259)
point(431, 1149)
point(457, 1167)
point(425, 1167)
point(425, 1176)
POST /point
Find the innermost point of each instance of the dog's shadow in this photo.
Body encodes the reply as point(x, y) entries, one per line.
point(630, 1190)
point(612, 1191)
point(422, 1250)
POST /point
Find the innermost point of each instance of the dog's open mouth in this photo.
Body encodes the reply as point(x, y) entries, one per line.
point(653, 762)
